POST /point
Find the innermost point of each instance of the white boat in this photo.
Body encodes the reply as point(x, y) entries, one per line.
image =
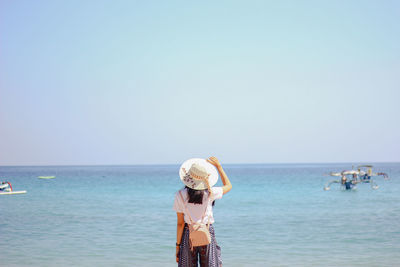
point(363, 174)
point(13, 192)
point(6, 189)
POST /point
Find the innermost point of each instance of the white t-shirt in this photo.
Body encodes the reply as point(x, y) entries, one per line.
point(196, 211)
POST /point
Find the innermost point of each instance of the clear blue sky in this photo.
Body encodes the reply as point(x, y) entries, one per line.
point(149, 82)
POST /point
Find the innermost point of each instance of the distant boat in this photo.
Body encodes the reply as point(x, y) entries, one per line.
point(13, 192)
point(363, 174)
point(6, 189)
point(46, 177)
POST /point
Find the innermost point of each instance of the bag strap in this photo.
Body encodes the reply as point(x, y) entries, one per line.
point(187, 211)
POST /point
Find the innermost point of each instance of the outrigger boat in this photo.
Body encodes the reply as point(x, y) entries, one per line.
point(350, 178)
point(6, 189)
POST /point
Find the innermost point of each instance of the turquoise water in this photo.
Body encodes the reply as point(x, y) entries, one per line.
point(276, 215)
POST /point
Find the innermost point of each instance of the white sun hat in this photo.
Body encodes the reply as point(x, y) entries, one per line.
point(194, 173)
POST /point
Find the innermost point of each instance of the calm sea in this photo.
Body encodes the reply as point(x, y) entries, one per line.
point(276, 215)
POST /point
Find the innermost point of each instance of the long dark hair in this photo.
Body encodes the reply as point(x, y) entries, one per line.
point(196, 196)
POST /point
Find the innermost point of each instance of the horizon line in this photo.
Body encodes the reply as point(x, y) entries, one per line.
point(166, 164)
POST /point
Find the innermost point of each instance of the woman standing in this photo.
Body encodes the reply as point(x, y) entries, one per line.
point(193, 204)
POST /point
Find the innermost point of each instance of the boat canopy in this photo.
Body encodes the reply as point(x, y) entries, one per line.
point(349, 172)
point(366, 166)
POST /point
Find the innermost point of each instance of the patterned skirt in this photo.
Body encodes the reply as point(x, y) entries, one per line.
point(206, 256)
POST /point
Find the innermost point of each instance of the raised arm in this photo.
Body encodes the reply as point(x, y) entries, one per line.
point(225, 180)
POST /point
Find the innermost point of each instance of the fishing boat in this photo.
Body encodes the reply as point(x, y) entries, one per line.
point(350, 178)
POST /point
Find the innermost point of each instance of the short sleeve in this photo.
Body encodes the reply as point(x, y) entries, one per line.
point(217, 192)
point(178, 205)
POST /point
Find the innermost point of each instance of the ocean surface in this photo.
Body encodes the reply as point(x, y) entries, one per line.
point(275, 215)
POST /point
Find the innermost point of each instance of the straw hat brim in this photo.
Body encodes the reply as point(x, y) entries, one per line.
point(194, 183)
